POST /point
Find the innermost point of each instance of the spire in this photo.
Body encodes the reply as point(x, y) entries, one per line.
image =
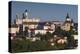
point(17, 16)
point(26, 10)
point(14, 21)
point(68, 18)
point(25, 14)
point(67, 15)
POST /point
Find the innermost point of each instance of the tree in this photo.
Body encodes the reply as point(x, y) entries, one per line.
point(26, 31)
point(38, 35)
point(48, 35)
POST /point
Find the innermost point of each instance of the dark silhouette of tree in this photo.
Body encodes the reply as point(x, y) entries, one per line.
point(26, 31)
point(48, 35)
point(38, 35)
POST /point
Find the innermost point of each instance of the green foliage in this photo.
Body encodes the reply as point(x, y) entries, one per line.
point(59, 31)
point(48, 35)
point(24, 45)
point(38, 35)
point(73, 32)
point(28, 46)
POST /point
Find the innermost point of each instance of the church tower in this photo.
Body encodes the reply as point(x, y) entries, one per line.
point(25, 14)
point(68, 18)
point(67, 24)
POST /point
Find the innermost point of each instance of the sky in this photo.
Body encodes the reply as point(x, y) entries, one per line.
point(45, 11)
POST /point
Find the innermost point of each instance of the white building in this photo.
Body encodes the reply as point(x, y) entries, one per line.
point(33, 24)
point(43, 31)
point(13, 29)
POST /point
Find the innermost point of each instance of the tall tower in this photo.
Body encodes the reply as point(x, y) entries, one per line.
point(25, 14)
point(67, 23)
point(68, 18)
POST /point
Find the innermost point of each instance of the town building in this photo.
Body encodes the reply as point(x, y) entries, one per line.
point(35, 26)
point(68, 24)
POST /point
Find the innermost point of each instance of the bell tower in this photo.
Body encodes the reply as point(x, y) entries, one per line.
point(67, 23)
point(68, 18)
point(25, 14)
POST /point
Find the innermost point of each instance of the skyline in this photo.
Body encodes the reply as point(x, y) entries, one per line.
point(55, 12)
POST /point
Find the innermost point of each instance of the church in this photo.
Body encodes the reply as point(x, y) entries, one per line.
point(35, 26)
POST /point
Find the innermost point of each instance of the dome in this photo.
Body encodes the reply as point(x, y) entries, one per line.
point(25, 14)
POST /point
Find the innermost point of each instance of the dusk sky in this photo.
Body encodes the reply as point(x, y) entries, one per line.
point(45, 11)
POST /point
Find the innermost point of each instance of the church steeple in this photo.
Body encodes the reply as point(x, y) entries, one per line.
point(67, 16)
point(17, 16)
point(25, 14)
point(14, 21)
point(26, 10)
